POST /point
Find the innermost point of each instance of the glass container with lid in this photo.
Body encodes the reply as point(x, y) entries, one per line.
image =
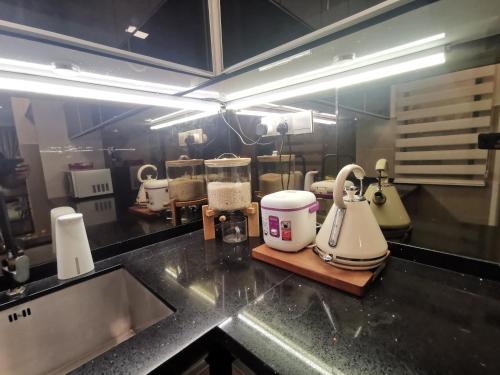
point(228, 183)
point(186, 179)
point(278, 173)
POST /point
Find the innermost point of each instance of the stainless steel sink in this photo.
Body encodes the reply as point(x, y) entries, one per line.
point(58, 332)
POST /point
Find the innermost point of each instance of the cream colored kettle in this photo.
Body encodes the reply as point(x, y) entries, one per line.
point(385, 201)
point(350, 237)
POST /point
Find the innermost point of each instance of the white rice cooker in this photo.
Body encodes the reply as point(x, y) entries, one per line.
point(289, 219)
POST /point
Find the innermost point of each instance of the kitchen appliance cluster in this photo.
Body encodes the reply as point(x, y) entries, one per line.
point(350, 237)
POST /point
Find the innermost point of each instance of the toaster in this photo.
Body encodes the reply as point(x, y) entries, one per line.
point(89, 183)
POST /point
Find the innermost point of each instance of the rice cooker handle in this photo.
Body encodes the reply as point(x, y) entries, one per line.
point(314, 207)
point(338, 190)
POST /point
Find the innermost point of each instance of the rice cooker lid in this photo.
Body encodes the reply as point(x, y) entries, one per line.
point(155, 184)
point(288, 200)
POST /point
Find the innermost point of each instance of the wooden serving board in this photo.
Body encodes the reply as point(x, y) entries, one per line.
point(306, 263)
point(144, 212)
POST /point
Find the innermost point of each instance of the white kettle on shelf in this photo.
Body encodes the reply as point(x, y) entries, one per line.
point(350, 237)
point(142, 199)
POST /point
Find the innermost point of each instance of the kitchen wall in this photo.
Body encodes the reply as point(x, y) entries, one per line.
point(41, 122)
point(375, 138)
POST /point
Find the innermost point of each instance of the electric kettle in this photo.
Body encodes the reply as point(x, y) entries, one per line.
point(350, 237)
point(385, 201)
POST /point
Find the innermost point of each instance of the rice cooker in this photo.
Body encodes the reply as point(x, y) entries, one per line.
point(289, 219)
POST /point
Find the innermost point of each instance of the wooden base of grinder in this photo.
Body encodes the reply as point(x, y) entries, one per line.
point(306, 263)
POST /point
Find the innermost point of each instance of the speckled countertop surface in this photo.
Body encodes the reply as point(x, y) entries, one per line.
point(415, 319)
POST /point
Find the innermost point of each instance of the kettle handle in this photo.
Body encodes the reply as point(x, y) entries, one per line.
point(143, 168)
point(338, 191)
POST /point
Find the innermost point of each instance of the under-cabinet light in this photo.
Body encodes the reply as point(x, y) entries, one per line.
point(323, 121)
point(67, 88)
point(248, 112)
point(182, 120)
point(77, 75)
point(343, 66)
point(350, 78)
point(318, 117)
point(141, 34)
point(167, 116)
point(130, 29)
point(285, 60)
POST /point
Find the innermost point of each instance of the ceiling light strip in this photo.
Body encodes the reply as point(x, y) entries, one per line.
point(368, 74)
point(358, 62)
point(185, 119)
point(50, 71)
point(66, 88)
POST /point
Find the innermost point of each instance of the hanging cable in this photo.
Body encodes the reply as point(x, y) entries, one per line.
point(281, 166)
point(289, 162)
point(252, 142)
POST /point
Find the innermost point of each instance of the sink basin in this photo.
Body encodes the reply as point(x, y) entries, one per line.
point(60, 331)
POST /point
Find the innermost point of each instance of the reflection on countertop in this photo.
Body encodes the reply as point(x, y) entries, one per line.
point(462, 239)
point(435, 227)
point(107, 222)
point(415, 319)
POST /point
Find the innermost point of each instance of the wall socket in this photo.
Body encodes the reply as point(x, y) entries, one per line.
point(197, 134)
point(298, 123)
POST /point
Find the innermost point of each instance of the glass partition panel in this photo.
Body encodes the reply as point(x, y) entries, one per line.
point(252, 27)
point(95, 172)
point(175, 31)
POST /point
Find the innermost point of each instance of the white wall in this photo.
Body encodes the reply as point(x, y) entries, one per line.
point(50, 125)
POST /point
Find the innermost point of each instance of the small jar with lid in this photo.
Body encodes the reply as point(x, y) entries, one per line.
point(228, 183)
point(186, 179)
point(278, 173)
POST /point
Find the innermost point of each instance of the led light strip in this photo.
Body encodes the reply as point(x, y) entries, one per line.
point(62, 87)
point(167, 116)
point(343, 80)
point(373, 58)
point(182, 120)
point(285, 60)
point(317, 116)
point(51, 71)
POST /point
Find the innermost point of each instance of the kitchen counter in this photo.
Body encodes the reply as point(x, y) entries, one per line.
point(415, 319)
point(462, 239)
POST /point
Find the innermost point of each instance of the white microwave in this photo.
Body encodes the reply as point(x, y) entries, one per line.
point(89, 183)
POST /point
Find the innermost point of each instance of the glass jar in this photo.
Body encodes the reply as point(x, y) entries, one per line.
point(234, 229)
point(276, 174)
point(186, 179)
point(228, 183)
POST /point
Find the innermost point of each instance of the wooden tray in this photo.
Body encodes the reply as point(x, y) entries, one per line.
point(306, 263)
point(145, 212)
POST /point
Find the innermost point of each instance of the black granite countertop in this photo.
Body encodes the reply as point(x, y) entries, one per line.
point(415, 319)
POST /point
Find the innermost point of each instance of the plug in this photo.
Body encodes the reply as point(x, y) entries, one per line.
point(282, 128)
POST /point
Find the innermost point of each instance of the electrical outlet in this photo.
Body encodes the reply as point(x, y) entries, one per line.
point(196, 134)
point(298, 123)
